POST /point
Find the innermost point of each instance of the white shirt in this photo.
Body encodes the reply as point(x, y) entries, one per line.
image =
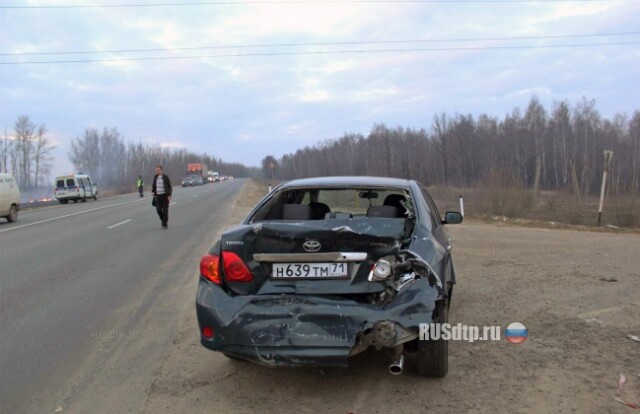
point(159, 185)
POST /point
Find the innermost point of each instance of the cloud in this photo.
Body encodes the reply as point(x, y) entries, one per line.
point(242, 108)
point(172, 144)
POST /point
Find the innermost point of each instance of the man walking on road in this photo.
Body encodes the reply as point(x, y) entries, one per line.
point(140, 186)
point(161, 190)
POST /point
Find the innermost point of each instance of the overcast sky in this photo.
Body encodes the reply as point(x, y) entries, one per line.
point(241, 80)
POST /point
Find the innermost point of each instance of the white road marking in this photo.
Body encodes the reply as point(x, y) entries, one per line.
point(116, 225)
point(69, 215)
point(173, 203)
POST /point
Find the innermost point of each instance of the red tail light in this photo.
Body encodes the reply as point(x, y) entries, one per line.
point(210, 267)
point(235, 270)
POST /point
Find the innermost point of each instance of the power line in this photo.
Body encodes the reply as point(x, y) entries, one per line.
point(373, 42)
point(234, 3)
point(326, 53)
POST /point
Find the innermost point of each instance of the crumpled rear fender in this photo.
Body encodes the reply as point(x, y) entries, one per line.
point(306, 329)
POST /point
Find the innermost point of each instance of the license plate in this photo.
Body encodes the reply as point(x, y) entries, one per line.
point(310, 270)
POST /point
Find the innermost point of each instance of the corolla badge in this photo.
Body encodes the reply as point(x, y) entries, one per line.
point(311, 246)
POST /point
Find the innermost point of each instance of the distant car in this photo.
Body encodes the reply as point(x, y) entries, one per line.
point(324, 268)
point(197, 181)
point(75, 187)
point(187, 182)
point(9, 197)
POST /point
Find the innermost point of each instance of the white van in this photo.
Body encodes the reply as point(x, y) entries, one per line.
point(9, 197)
point(76, 187)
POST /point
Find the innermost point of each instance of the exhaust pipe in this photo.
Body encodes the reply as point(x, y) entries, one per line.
point(398, 361)
point(396, 366)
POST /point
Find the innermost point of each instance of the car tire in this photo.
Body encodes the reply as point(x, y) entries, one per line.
point(95, 197)
point(84, 199)
point(13, 214)
point(63, 201)
point(433, 355)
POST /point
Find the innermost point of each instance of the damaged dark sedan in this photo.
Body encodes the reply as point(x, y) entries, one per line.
point(324, 268)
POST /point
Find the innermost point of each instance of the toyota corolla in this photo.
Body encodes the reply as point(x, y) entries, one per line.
point(325, 268)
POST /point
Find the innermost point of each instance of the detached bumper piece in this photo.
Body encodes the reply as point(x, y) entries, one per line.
point(308, 330)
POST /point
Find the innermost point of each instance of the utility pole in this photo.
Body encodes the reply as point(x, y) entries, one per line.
point(607, 159)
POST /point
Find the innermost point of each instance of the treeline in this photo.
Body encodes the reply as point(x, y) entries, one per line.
point(563, 147)
point(115, 163)
point(26, 153)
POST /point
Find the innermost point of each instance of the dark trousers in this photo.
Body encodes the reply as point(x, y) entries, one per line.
point(162, 207)
point(140, 190)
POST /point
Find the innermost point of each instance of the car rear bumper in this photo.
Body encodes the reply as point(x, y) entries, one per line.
point(306, 330)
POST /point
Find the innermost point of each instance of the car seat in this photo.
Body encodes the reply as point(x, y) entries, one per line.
point(296, 212)
point(319, 210)
point(396, 200)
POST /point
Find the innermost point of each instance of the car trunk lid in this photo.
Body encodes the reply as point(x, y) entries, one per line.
point(313, 257)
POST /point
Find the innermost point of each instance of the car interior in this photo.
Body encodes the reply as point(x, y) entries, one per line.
point(326, 204)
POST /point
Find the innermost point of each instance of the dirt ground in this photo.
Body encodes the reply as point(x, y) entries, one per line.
point(577, 292)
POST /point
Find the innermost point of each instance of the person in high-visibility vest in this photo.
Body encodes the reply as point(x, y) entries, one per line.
point(140, 185)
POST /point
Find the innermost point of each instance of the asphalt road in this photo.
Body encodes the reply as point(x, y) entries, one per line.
point(89, 294)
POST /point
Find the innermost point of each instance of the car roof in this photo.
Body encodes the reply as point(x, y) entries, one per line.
point(74, 175)
point(346, 181)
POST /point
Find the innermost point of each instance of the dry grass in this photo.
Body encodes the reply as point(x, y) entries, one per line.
point(626, 210)
point(551, 207)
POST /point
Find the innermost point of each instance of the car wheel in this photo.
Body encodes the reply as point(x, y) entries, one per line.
point(84, 199)
point(433, 355)
point(95, 197)
point(13, 214)
point(63, 201)
point(75, 200)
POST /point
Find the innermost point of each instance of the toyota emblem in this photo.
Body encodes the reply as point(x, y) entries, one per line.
point(311, 246)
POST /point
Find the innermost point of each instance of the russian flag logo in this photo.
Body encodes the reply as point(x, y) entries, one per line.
point(516, 333)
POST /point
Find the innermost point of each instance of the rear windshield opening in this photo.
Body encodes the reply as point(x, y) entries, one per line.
point(60, 183)
point(328, 203)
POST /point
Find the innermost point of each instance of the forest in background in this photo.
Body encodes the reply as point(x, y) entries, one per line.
point(563, 144)
point(114, 163)
point(560, 148)
point(105, 155)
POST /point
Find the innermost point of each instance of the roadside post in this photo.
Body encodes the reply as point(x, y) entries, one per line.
point(271, 167)
point(607, 159)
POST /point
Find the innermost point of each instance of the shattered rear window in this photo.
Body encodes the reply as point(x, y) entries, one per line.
point(352, 202)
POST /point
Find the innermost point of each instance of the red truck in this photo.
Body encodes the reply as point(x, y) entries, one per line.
point(199, 170)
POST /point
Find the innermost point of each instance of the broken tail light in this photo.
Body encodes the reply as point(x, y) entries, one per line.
point(235, 270)
point(210, 268)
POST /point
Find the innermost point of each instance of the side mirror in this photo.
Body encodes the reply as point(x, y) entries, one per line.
point(452, 217)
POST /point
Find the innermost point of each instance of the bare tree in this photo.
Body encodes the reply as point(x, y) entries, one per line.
point(5, 149)
point(85, 152)
point(25, 130)
point(42, 155)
